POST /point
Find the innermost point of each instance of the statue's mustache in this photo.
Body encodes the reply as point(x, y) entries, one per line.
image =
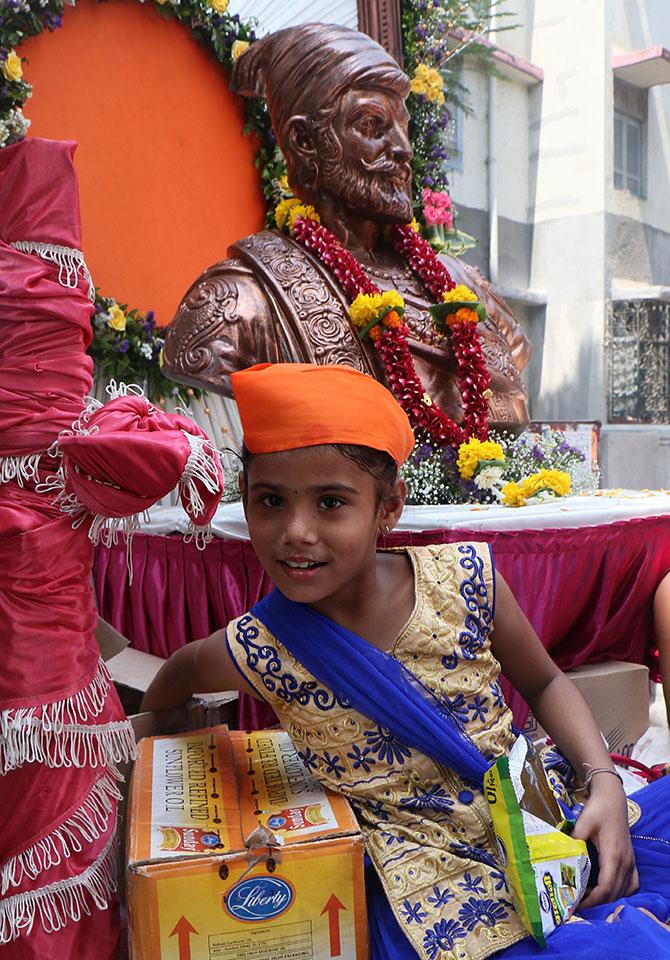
point(388, 168)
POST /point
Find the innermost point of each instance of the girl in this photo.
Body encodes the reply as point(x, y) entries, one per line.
point(383, 665)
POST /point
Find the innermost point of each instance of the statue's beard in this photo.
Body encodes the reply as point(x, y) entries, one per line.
point(382, 193)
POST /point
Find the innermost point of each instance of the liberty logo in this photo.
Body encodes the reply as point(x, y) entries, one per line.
point(258, 898)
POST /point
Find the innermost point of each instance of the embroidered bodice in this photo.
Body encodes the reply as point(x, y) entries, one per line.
point(428, 831)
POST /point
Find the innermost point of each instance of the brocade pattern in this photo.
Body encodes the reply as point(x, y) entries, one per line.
point(427, 830)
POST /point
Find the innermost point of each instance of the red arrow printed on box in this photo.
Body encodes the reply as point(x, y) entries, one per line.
point(183, 930)
point(332, 908)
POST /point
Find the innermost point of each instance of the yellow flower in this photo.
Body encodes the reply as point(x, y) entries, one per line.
point(554, 481)
point(415, 226)
point(513, 495)
point(391, 298)
point(305, 210)
point(11, 67)
point(428, 81)
point(117, 318)
point(460, 293)
point(283, 184)
point(238, 48)
point(283, 209)
point(364, 308)
point(471, 452)
point(219, 5)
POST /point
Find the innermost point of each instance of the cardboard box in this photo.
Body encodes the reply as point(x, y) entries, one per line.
point(618, 695)
point(236, 853)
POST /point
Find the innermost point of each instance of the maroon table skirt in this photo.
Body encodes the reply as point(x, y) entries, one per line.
point(587, 591)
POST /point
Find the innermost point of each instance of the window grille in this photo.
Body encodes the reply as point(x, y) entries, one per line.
point(637, 349)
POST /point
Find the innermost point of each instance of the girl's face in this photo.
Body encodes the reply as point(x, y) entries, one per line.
point(313, 518)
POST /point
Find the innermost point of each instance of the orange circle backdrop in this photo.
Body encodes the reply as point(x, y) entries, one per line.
point(166, 177)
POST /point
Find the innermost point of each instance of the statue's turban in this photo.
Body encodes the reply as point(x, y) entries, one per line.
point(301, 70)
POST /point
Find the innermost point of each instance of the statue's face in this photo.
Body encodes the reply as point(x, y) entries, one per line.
point(372, 176)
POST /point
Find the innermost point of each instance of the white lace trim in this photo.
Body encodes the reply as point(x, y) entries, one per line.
point(70, 262)
point(59, 734)
point(85, 825)
point(22, 469)
point(65, 900)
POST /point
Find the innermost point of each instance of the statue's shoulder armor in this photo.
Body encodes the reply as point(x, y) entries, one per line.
point(221, 316)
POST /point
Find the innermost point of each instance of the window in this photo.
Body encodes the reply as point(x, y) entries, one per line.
point(627, 154)
point(454, 139)
point(630, 127)
point(637, 348)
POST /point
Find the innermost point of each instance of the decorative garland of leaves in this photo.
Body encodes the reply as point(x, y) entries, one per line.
point(434, 33)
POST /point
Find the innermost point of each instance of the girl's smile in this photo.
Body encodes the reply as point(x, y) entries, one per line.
point(313, 518)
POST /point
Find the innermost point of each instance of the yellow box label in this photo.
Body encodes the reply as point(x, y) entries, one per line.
point(277, 790)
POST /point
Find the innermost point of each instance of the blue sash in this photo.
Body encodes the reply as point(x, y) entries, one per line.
point(373, 682)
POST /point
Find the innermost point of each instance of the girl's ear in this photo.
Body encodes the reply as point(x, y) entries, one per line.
point(392, 505)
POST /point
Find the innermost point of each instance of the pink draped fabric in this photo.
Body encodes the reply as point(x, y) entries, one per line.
point(587, 590)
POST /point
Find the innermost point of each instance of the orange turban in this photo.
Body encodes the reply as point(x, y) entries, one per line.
point(284, 406)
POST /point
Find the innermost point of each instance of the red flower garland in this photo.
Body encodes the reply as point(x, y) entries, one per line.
point(396, 357)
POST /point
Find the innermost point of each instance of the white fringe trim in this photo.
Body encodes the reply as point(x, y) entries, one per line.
point(115, 390)
point(70, 262)
point(63, 901)
point(22, 469)
point(59, 734)
point(87, 824)
point(201, 536)
point(201, 467)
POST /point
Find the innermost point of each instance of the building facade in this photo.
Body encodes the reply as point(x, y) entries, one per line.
point(564, 178)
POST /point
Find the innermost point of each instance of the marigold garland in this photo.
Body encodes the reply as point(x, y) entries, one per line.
point(379, 316)
point(555, 483)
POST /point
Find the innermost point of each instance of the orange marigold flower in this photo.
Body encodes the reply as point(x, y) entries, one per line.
point(392, 320)
point(465, 315)
point(375, 332)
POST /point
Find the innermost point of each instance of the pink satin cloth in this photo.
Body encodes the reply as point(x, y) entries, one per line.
point(133, 455)
point(45, 327)
point(63, 728)
point(587, 591)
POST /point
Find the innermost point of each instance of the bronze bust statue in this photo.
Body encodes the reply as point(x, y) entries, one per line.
point(337, 105)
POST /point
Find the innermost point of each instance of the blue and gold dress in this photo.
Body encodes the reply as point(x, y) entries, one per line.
point(427, 829)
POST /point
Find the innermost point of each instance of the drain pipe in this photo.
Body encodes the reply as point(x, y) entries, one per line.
point(493, 170)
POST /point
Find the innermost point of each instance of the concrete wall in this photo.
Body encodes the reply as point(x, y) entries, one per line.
point(568, 240)
point(635, 457)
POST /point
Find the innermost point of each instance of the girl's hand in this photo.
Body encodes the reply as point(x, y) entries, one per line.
point(604, 821)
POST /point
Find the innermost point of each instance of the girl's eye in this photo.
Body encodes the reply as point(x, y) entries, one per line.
point(271, 500)
point(330, 502)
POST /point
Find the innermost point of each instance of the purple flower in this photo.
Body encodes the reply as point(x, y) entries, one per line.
point(422, 453)
point(122, 347)
point(52, 21)
point(537, 453)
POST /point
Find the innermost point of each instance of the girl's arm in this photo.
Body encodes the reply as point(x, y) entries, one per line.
point(204, 666)
point(566, 717)
point(662, 633)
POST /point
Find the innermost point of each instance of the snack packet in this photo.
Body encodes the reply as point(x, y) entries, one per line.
point(546, 869)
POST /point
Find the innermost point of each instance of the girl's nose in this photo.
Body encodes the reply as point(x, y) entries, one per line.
point(300, 527)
